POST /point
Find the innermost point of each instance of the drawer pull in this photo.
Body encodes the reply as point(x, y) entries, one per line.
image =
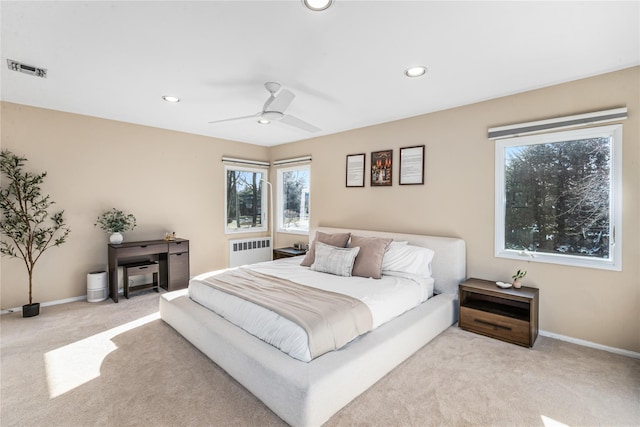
point(483, 322)
point(143, 246)
point(142, 268)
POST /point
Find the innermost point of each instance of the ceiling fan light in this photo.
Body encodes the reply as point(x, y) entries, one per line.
point(172, 99)
point(317, 5)
point(416, 71)
point(263, 121)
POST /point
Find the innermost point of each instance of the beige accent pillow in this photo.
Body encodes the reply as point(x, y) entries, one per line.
point(338, 240)
point(369, 260)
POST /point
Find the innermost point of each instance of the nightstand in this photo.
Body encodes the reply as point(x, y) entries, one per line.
point(287, 252)
point(509, 315)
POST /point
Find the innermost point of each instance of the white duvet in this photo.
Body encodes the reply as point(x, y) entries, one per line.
point(387, 298)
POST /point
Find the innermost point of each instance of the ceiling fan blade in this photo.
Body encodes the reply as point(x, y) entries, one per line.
point(233, 119)
point(299, 123)
point(281, 101)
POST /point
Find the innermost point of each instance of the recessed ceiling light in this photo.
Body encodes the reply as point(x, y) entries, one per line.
point(170, 98)
point(317, 5)
point(416, 71)
point(264, 121)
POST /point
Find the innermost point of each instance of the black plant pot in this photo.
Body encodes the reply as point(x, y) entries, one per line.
point(30, 310)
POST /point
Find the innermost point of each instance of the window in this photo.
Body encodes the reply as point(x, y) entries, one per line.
point(293, 199)
point(244, 200)
point(558, 198)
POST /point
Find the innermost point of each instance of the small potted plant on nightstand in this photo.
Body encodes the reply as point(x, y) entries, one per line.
point(115, 222)
point(517, 278)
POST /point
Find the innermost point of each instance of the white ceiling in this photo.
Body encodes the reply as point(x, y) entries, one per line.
point(116, 59)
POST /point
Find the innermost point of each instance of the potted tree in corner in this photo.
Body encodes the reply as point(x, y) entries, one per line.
point(28, 228)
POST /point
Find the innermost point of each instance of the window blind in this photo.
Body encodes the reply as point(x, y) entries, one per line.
point(540, 126)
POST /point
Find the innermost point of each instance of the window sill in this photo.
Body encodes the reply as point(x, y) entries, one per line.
point(298, 232)
point(568, 260)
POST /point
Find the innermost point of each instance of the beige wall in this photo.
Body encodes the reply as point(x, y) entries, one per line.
point(174, 181)
point(171, 181)
point(458, 198)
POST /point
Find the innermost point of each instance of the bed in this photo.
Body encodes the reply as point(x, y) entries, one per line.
point(308, 393)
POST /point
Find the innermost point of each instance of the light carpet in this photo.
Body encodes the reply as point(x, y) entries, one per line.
point(106, 364)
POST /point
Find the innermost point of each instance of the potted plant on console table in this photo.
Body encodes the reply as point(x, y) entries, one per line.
point(115, 222)
point(24, 219)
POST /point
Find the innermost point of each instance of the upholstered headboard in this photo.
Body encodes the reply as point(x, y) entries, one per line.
point(449, 263)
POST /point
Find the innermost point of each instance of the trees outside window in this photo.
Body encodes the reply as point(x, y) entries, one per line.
point(244, 200)
point(558, 197)
point(294, 199)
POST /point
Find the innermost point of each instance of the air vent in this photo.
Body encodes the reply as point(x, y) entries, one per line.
point(27, 69)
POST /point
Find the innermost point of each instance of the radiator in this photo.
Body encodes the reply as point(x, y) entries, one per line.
point(249, 251)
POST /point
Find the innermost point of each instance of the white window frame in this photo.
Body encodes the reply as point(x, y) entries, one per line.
point(614, 262)
point(280, 198)
point(264, 217)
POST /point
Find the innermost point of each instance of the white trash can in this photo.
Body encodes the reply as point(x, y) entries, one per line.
point(97, 289)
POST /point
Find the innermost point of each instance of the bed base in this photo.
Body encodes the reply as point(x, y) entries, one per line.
point(307, 394)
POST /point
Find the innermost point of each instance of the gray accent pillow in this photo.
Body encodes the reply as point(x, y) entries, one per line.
point(369, 260)
point(332, 260)
point(337, 239)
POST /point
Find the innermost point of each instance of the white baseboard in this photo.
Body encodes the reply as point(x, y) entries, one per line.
point(584, 343)
point(45, 304)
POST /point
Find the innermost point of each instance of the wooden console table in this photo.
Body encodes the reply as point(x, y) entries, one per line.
point(171, 255)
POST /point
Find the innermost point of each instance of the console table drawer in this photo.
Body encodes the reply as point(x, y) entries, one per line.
point(141, 250)
point(494, 325)
point(178, 247)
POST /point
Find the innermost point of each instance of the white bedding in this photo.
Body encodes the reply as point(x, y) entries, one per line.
point(387, 298)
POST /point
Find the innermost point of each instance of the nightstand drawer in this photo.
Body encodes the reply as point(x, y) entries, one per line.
point(494, 325)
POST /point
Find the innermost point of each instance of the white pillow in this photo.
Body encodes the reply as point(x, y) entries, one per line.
point(333, 260)
point(408, 259)
point(398, 243)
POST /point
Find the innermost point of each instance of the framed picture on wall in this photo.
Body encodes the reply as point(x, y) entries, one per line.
point(412, 165)
point(355, 170)
point(381, 168)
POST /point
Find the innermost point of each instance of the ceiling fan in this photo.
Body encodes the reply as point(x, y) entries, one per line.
point(274, 108)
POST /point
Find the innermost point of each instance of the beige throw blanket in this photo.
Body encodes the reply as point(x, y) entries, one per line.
point(330, 319)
